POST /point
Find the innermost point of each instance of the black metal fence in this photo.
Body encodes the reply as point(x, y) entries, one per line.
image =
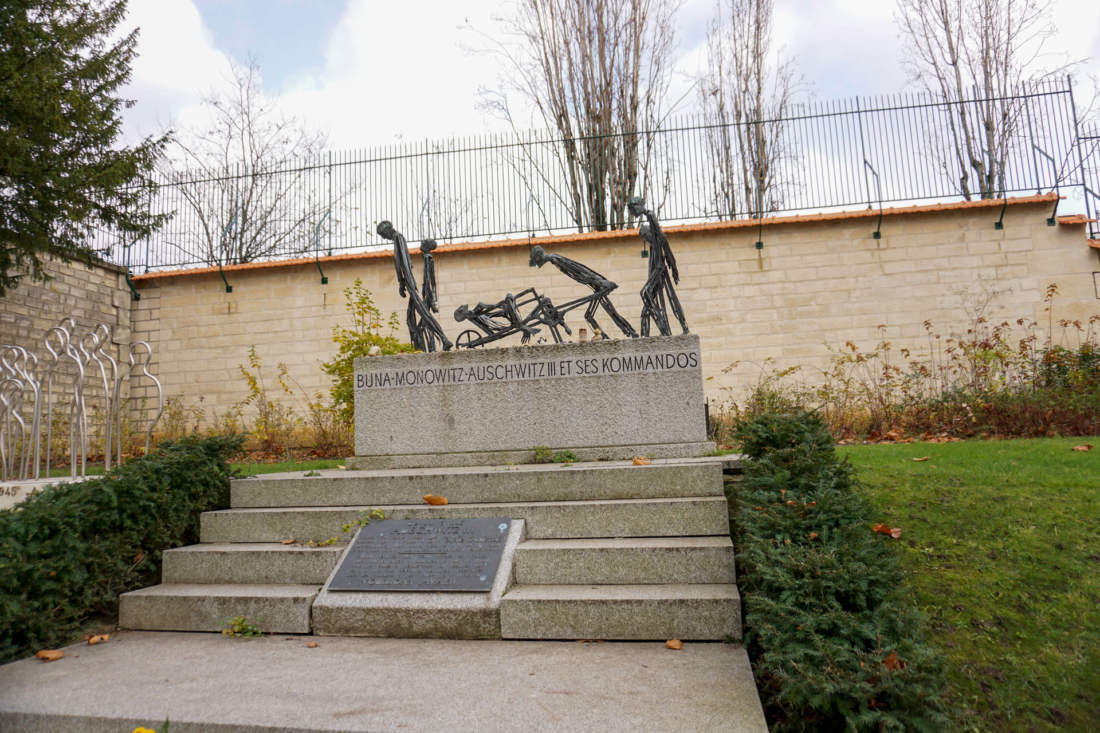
point(863, 152)
point(1088, 148)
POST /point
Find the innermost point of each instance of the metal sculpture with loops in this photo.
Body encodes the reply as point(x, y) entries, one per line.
point(34, 391)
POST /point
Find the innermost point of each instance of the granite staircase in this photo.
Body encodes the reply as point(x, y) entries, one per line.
point(609, 550)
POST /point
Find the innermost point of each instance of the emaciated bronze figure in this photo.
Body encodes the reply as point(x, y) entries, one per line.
point(423, 328)
point(600, 285)
point(662, 273)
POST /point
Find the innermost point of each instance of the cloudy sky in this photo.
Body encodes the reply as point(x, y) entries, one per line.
point(373, 72)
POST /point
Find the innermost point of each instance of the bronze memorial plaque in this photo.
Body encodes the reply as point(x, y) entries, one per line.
point(423, 555)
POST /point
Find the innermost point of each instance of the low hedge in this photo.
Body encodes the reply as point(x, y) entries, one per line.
point(834, 645)
point(69, 550)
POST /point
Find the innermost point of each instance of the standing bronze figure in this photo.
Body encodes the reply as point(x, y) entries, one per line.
point(428, 290)
point(422, 325)
point(662, 273)
point(600, 285)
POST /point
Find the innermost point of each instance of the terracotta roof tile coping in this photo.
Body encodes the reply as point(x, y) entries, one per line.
point(581, 238)
point(1094, 243)
point(1075, 219)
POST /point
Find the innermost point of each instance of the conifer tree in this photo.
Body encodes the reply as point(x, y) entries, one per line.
point(63, 173)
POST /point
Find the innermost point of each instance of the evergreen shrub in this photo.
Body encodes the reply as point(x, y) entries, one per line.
point(69, 550)
point(834, 644)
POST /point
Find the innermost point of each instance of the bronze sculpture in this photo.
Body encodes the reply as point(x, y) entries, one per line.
point(428, 291)
point(658, 286)
point(498, 318)
point(600, 285)
point(423, 328)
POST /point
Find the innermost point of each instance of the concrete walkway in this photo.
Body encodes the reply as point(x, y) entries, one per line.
point(212, 683)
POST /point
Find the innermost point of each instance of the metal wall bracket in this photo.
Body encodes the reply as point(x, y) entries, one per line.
point(228, 287)
point(317, 244)
point(134, 294)
point(1054, 176)
point(877, 234)
point(1000, 223)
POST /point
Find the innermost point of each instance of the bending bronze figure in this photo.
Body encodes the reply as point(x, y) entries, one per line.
point(600, 285)
point(422, 325)
point(662, 273)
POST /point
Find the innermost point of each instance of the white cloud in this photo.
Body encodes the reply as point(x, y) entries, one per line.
point(398, 70)
point(175, 66)
point(394, 71)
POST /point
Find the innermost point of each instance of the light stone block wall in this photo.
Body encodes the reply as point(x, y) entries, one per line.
point(91, 295)
point(814, 283)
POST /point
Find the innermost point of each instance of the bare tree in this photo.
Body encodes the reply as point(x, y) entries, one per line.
point(976, 54)
point(596, 72)
point(253, 185)
point(746, 93)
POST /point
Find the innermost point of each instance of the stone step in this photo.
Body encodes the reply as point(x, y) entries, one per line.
point(691, 516)
point(213, 684)
point(277, 609)
point(264, 563)
point(635, 560)
point(624, 612)
point(483, 484)
point(688, 450)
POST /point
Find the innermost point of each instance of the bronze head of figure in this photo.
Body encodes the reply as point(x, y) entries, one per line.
point(538, 256)
point(385, 230)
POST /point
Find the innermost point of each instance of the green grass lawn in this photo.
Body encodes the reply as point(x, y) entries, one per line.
point(1001, 548)
point(315, 464)
point(244, 469)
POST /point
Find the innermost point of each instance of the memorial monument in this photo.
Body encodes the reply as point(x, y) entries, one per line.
point(538, 491)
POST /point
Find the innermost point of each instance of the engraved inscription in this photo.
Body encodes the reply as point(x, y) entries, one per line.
point(423, 555)
point(521, 370)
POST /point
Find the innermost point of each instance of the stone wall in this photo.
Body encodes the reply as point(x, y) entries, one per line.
point(817, 281)
point(91, 295)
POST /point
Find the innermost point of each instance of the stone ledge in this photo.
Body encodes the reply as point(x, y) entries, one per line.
point(634, 612)
point(483, 484)
point(518, 457)
point(279, 609)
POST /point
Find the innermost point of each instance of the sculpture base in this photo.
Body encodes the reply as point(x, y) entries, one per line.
point(624, 397)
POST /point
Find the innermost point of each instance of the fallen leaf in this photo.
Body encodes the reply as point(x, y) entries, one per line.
point(342, 467)
point(814, 535)
point(892, 435)
point(435, 500)
point(311, 645)
point(674, 644)
point(881, 528)
point(50, 655)
point(288, 542)
point(1083, 448)
point(922, 459)
point(641, 461)
point(893, 662)
point(98, 639)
